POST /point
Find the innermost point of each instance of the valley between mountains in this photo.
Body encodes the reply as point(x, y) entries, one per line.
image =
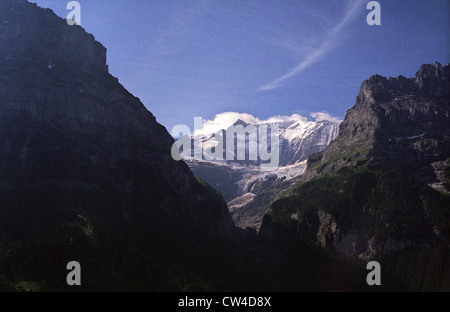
point(86, 174)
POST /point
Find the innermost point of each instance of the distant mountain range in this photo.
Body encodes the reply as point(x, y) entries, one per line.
point(240, 182)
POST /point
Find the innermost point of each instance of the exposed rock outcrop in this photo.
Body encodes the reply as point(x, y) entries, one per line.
point(397, 121)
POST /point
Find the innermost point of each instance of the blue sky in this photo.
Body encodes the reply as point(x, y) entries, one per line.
point(261, 57)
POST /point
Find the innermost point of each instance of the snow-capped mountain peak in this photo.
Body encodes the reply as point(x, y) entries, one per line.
point(298, 138)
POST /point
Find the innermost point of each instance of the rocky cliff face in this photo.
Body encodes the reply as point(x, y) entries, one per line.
point(396, 121)
point(81, 157)
point(369, 196)
point(70, 47)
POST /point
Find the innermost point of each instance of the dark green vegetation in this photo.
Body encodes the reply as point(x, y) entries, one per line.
point(381, 203)
point(385, 203)
point(54, 222)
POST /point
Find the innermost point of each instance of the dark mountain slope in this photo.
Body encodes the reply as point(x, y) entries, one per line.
point(85, 170)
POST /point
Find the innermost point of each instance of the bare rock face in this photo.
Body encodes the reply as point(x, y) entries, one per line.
point(32, 34)
point(397, 121)
point(433, 80)
point(331, 236)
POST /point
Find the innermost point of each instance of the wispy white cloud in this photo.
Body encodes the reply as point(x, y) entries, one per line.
point(318, 116)
point(333, 39)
